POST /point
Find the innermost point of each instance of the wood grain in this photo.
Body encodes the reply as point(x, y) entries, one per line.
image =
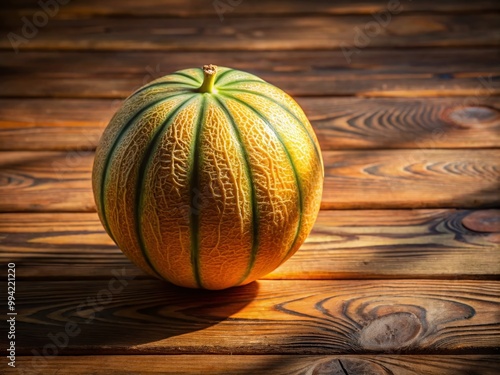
point(266, 364)
point(259, 34)
point(263, 8)
point(340, 123)
point(123, 316)
point(371, 73)
point(343, 245)
point(343, 123)
point(420, 178)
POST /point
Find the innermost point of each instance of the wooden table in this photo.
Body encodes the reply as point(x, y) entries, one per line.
point(400, 274)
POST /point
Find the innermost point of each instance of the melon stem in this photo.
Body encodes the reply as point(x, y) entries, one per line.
point(209, 71)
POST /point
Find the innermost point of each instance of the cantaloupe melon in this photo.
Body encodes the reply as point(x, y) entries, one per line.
point(208, 178)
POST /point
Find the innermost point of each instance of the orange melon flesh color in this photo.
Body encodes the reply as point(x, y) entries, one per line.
point(208, 178)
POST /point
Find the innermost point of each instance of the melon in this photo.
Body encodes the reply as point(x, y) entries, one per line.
point(208, 178)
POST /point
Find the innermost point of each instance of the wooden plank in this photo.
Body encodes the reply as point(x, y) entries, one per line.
point(123, 316)
point(411, 179)
point(410, 73)
point(340, 123)
point(54, 124)
point(344, 123)
point(193, 8)
point(343, 245)
point(265, 364)
point(258, 34)
point(46, 181)
point(421, 178)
